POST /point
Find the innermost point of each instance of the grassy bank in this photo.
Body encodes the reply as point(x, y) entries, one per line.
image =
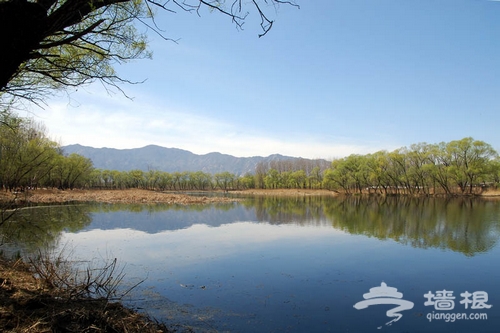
point(108, 196)
point(147, 196)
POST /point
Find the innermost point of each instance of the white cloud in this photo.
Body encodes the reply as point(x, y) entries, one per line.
point(100, 120)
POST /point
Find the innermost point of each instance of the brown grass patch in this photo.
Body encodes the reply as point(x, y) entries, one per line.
point(491, 193)
point(28, 304)
point(109, 196)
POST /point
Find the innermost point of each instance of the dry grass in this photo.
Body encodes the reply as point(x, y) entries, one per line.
point(82, 280)
point(491, 193)
point(110, 196)
point(45, 304)
point(146, 196)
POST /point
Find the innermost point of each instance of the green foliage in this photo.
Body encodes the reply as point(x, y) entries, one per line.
point(464, 166)
point(225, 180)
point(28, 158)
point(299, 173)
point(40, 227)
point(55, 45)
point(247, 181)
point(69, 50)
point(72, 171)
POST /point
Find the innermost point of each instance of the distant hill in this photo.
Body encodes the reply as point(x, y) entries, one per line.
point(169, 159)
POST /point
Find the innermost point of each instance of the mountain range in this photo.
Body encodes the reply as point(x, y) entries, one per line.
point(154, 157)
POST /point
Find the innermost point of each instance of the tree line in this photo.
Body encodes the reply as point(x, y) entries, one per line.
point(463, 166)
point(300, 173)
point(168, 181)
point(30, 159)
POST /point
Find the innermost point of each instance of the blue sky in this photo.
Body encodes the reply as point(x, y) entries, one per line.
point(332, 78)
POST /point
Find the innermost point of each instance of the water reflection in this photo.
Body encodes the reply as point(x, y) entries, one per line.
point(285, 264)
point(31, 229)
point(465, 225)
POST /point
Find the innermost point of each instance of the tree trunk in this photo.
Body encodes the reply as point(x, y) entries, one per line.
point(22, 25)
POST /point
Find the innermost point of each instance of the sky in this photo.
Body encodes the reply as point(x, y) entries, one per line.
point(333, 78)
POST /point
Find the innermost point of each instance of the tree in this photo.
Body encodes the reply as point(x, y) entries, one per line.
point(137, 178)
point(56, 44)
point(200, 180)
point(463, 164)
point(297, 179)
point(153, 178)
point(398, 171)
point(469, 161)
point(225, 180)
point(247, 181)
point(72, 171)
point(378, 165)
point(261, 170)
point(418, 157)
point(329, 180)
point(26, 154)
point(440, 162)
point(272, 179)
point(495, 172)
point(339, 176)
point(315, 177)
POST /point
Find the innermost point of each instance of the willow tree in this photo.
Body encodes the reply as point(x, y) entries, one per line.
point(471, 162)
point(26, 152)
point(56, 44)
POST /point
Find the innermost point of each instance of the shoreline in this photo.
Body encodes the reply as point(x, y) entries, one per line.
point(45, 196)
point(286, 192)
point(134, 196)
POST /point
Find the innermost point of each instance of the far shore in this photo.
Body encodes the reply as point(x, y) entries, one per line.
point(285, 192)
point(110, 196)
point(47, 196)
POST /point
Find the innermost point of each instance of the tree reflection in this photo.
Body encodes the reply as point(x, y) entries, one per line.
point(467, 225)
point(463, 224)
point(39, 228)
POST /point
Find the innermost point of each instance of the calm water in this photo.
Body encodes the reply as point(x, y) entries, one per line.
point(292, 264)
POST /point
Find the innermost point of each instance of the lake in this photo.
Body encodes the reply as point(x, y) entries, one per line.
point(291, 264)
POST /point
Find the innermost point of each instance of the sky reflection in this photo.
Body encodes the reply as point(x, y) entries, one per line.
point(295, 265)
point(194, 244)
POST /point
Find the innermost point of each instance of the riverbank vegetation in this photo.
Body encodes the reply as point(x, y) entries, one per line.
point(29, 159)
point(56, 302)
point(465, 166)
